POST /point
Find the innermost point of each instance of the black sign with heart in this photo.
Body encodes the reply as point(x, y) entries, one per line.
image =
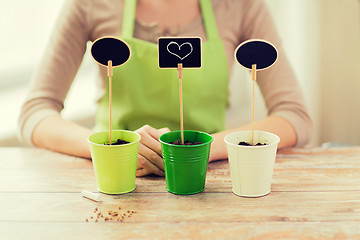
point(173, 51)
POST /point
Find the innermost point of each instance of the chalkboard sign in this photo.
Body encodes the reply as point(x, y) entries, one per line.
point(256, 51)
point(173, 51)
point(110, 48)
point(110, 52)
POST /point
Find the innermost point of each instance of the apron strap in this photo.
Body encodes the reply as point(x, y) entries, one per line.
point(209, 20)
point(129, 12)
point(128, 21)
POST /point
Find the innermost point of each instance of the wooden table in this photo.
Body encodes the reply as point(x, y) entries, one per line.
point(315, 195)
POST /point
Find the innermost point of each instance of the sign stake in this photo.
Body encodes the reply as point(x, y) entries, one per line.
point(180, 76)
point(253, 77)
point(255, 55)
point(110, 74)
point(110, 52)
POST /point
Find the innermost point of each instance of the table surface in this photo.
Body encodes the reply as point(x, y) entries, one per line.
point(315, 195)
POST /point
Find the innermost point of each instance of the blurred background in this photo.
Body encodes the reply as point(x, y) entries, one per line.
point(321, 38)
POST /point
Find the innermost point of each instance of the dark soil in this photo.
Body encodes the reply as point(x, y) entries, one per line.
point(248, 144)
point(186, 142)
point(118, 142)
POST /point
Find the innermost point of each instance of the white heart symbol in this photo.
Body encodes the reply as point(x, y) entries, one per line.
point(185, 43)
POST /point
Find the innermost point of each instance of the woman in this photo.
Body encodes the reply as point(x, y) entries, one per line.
point(139, 86)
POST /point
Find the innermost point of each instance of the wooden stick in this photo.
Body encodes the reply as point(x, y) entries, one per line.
point(110, 74)
point(253, 77)
point(180, 76)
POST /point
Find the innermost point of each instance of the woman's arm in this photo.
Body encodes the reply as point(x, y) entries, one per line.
point(59, 135)
point(288, 116)
point(52, 80)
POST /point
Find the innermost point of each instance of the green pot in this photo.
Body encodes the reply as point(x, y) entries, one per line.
point(185, 165)
point(115, 165)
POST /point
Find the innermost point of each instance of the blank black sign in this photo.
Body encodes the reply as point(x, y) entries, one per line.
point(173, 51)
point(256, 51)
point(110, 48)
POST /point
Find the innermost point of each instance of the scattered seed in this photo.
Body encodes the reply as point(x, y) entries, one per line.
point(111, 215)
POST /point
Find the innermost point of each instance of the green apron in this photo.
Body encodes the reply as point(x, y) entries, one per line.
point(145, 94)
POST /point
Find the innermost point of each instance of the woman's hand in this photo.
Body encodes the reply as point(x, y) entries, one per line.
point(150, 157)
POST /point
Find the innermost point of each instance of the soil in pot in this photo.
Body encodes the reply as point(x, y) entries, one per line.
point(118, 142)
point(186, 142)
point(248, 144)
